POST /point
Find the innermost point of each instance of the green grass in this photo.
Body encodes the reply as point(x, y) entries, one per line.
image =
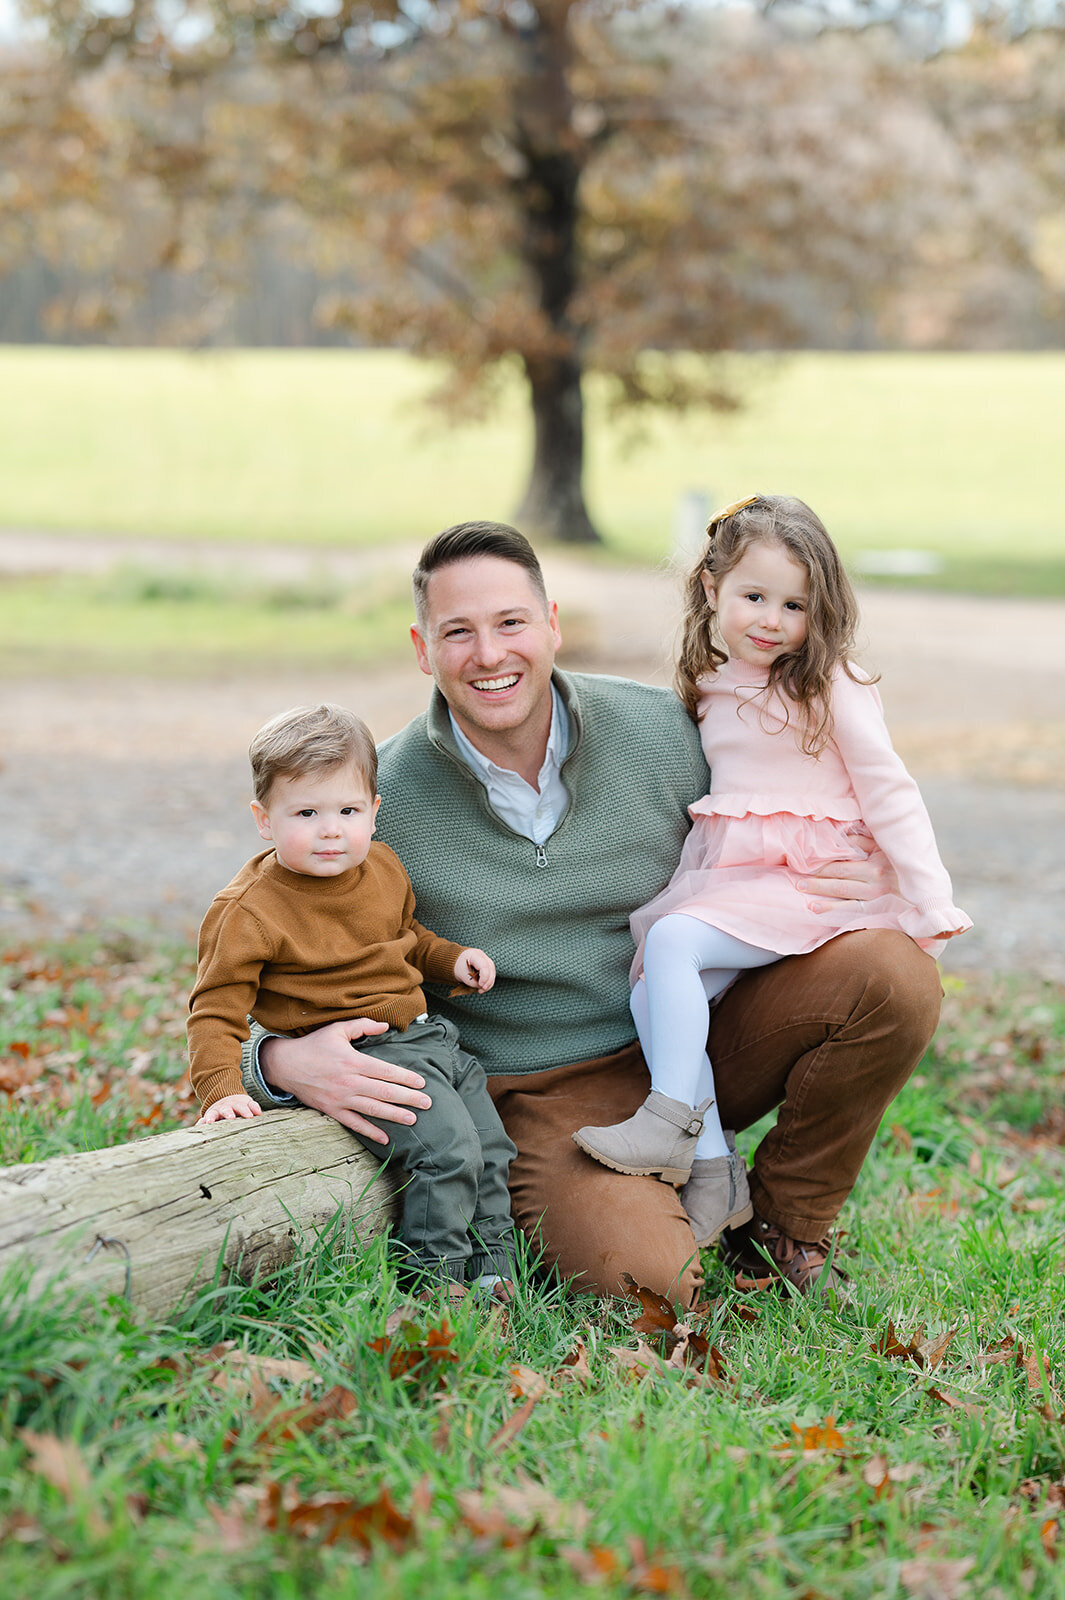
point(136, 621)
point(954, 454)
point(164, 1478)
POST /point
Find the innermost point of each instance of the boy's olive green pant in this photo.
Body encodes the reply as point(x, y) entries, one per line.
point(455, 1158)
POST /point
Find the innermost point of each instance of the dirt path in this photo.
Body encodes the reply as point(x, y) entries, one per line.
point(126, 802)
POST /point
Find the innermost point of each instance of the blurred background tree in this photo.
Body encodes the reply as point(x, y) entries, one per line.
point(574, 186)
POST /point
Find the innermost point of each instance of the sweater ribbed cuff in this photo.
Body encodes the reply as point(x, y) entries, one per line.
point(251, 1072)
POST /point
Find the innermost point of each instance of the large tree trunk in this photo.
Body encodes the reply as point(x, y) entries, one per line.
point(546, 193)
point(161, 1216)
point(553, 506)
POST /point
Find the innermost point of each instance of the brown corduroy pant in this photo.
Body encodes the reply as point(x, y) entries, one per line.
point(829, 1037)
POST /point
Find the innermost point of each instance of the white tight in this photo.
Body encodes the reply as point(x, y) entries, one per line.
point(686, 963)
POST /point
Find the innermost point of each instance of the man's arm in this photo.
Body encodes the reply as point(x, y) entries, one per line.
point(323, 1071)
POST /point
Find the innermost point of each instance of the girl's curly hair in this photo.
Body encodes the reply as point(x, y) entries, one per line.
point(831, 609)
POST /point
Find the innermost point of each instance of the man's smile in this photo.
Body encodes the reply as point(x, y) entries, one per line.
point(494, 685)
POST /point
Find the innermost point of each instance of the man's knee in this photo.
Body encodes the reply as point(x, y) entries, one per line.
point(896, 993)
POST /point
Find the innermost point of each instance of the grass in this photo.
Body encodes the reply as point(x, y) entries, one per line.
point(956, 454)
point(819, 1464)
point(136, 620)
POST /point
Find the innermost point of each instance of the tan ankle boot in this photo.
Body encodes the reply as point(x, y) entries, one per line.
point(660, 1138)
point(716, 1195)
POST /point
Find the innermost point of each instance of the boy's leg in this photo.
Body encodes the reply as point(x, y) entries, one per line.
point(830, 1037)
point(440, 1154)
point(492, 1227)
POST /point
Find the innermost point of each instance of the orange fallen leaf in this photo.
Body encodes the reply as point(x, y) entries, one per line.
point(658, 1315)
point(819, 1436)
point(1048, 1537)
point(528, 1384)
point(335, 1519)
point(575, 1368)
point(506, 1435)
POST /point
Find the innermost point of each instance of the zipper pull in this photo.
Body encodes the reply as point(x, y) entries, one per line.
point(541, 856)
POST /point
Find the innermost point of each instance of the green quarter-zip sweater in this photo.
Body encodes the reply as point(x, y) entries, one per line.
point(553, 917)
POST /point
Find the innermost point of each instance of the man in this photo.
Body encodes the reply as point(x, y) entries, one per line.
point(534, 810)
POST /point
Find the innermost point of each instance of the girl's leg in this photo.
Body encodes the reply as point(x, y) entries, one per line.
point(687, 963)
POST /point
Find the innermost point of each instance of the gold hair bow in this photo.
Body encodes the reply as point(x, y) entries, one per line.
point(729, 511)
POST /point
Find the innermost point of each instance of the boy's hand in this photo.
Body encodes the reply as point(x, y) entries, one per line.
point(476, 970)
point(228, 1108)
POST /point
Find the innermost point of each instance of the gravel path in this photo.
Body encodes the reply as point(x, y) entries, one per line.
point(126, 802)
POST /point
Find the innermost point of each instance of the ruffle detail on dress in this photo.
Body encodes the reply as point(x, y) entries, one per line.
point(841, 808)
point(933, 922)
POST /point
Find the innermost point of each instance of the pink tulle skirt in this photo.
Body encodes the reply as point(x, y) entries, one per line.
point(740, 874)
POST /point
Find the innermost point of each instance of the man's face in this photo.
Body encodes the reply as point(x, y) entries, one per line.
point(490, 644)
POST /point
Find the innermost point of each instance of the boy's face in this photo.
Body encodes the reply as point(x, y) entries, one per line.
point(321, 824)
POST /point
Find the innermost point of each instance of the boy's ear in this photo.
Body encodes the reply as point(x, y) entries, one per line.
point(376, 808)
point(262, 821)
point(709, 587)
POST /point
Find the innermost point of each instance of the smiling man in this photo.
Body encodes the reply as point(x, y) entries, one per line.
point(533, 810)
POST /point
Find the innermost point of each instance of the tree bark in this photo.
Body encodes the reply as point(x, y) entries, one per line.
point(159, 1217)
point(553, 505)
point(547, 198)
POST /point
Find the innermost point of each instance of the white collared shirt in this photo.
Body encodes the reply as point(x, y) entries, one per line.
point(535, 815)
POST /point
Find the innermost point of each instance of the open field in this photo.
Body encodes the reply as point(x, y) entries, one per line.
point(957, 455)
point(905, 1441)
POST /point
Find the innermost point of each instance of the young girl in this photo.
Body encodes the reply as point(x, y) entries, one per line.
point(801, 763)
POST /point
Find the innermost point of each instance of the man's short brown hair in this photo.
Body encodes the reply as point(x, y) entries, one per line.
point(464, 542)
point(311, 739)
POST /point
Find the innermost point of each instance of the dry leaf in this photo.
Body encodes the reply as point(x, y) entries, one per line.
point(592, 1564)
point(637, 1363)
point(489, 1523)
point(59, 1461)
point(506, 1435)
point(819, 1436)
point(1048, 1537)
point(925, 1578)
point(658, 1315)
point(575, 1368)
point(335, 1519)
point(420, 1356)
point(528, 1384)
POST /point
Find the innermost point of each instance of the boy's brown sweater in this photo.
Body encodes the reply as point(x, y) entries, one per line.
point(295, 951)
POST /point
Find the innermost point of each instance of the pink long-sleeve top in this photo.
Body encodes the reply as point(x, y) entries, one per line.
point(753, 746)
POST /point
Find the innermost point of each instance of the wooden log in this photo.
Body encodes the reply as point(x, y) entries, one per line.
point(157, 1217)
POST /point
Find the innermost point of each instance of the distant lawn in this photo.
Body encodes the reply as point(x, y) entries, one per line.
point(958, 455)
point(137, 621)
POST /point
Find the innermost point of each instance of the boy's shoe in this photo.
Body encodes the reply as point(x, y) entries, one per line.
point(659, 1139)
point(716, 1195)
point(803, 1264)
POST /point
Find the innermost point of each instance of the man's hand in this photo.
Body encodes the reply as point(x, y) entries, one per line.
point(323, 1071)
point(865, 879)
point(476, 970)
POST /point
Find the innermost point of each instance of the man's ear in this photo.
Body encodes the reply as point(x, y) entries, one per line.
point(552, 618)
point(262, 821)
point(420, 651)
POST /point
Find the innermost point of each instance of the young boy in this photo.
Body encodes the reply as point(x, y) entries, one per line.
point(320, 928)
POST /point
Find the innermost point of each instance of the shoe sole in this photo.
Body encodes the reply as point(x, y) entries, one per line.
point(735, 1221)
point(673, 1175)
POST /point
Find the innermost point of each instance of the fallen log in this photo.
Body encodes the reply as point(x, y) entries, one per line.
point(159, 1217)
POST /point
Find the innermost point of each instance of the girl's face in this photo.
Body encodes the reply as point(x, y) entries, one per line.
point(760, 604)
